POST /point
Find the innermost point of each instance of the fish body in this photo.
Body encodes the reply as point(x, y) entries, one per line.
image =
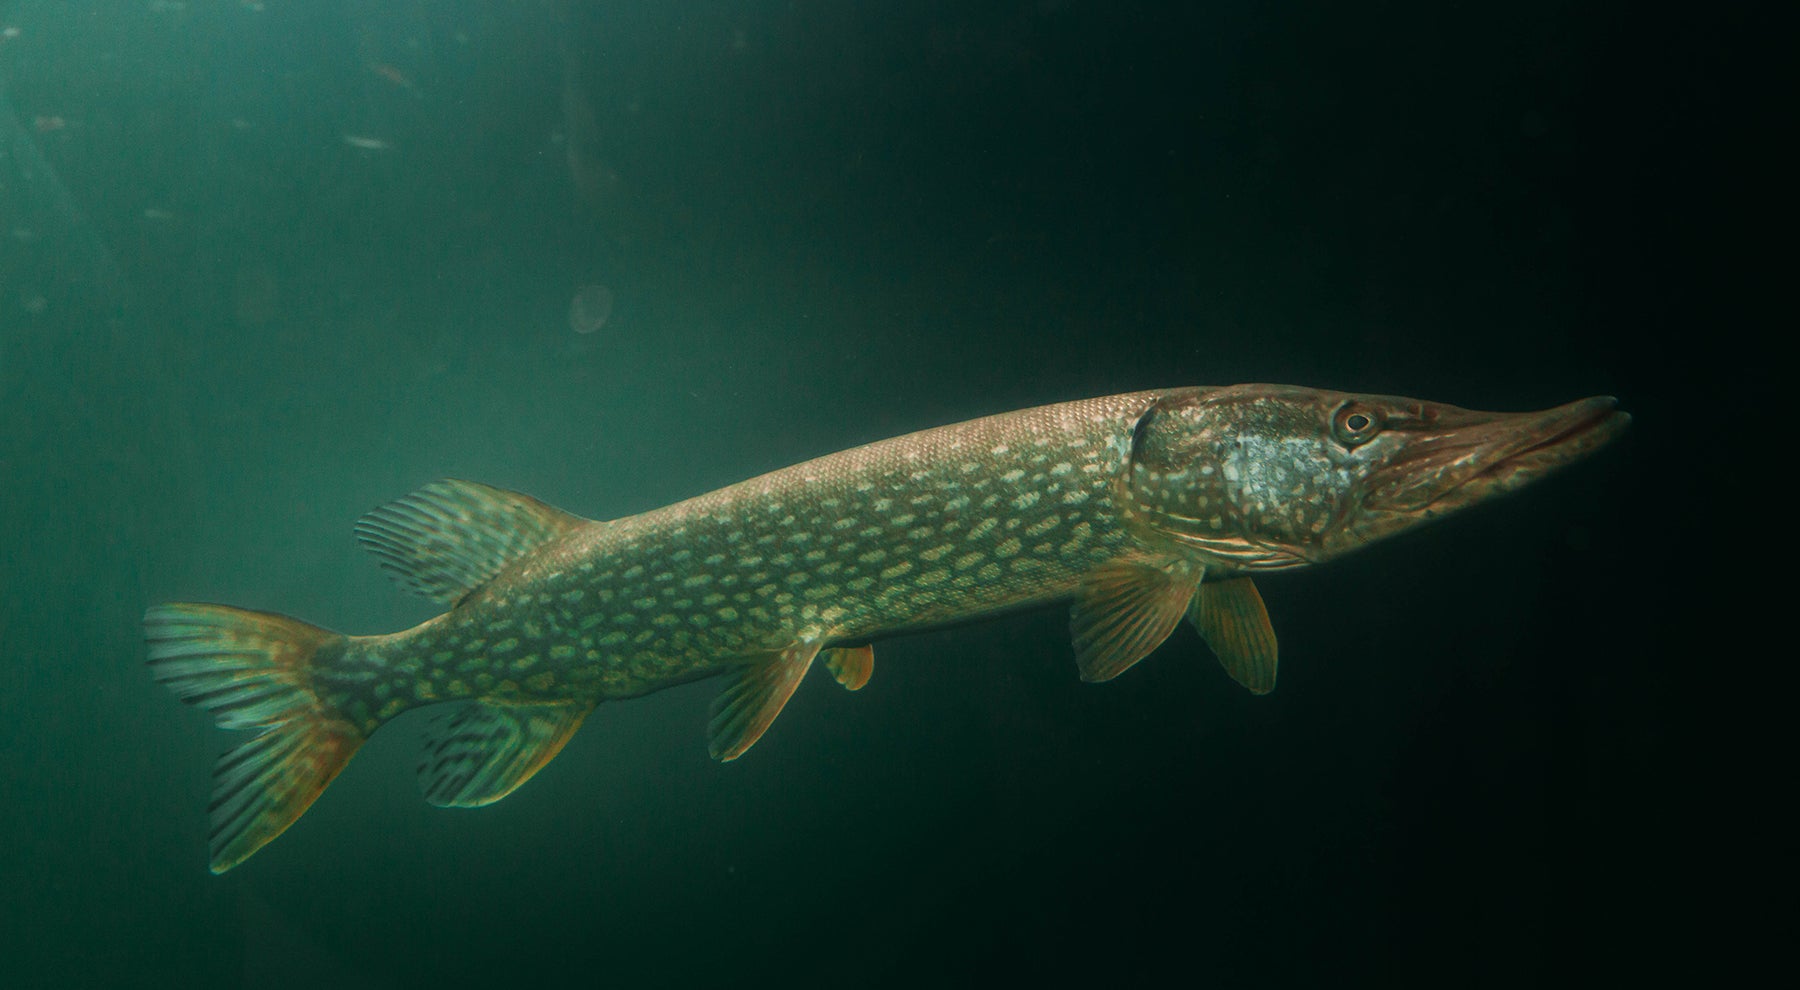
point(1139, 509)
point(940, 526)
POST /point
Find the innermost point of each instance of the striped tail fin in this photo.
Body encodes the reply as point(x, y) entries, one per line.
point(253, 670)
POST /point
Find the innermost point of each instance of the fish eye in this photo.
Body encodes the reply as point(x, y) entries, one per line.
point(1354, 424)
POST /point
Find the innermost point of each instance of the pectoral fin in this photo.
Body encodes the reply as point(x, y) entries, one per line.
point(753, 697)
point(484, 750)
point(1122, 612)
point(1231, 618)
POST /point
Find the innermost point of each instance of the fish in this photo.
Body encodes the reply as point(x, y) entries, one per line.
point(1138, 510)
point(365, 142)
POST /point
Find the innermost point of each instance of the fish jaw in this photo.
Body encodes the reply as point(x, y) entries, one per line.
point(1448, 459)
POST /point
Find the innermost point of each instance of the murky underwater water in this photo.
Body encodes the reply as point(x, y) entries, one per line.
point(266, 266)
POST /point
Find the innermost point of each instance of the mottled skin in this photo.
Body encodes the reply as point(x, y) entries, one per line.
point(1140, 509)
point(941, 526)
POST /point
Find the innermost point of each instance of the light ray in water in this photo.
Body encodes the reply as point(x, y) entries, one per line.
point(52, 248)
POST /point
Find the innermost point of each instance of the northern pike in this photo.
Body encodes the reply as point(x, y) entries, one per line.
point(1138, 509)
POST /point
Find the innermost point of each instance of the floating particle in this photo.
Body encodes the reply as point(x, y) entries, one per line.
point(590, 308)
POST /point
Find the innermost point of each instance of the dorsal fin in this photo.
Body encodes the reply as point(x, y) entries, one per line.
point(451, 537)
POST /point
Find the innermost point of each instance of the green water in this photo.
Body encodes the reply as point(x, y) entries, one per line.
point(229, 326)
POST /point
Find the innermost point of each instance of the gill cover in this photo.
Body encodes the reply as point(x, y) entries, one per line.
point(1203, 469)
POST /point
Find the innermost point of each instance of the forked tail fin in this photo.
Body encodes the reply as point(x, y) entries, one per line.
point(253, 670)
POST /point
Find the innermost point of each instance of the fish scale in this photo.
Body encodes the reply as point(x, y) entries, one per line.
point(1139, 509)
point(943, 525)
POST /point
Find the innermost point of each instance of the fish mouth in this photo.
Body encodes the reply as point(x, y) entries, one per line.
point(1460, 457)
point(1588, 425)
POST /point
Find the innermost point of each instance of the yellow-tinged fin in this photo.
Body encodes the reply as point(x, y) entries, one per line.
point(484, 750)
point(253, 670)
point(851, 665)
point(451, 537)
point(1231, 618)
point(753, 697)
point(1121, 613)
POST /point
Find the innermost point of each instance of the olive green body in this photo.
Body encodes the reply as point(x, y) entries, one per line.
point(928, 529)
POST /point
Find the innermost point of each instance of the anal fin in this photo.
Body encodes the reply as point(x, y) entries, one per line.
point(1122, 612)
point(753, 697)
point(851, 665)
point(1230, 616)
point(484, 750)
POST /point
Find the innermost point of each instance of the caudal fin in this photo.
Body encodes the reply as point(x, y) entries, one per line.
point(253, 670)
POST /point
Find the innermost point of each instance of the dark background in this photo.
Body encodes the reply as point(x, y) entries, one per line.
point(225, 332)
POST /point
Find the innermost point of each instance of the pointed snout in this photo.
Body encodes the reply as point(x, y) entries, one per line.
point(1455, 457)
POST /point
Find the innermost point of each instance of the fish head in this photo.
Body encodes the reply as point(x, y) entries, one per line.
point(1265, 476)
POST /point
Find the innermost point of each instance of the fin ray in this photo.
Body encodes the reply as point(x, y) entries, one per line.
point(755, 695)
point(1231, 617)
point(260, 788)
point(485, 750)
point(851, 665)
point(451, 537)
point(245, 668)
point(253, 670)
point(1123, 612)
